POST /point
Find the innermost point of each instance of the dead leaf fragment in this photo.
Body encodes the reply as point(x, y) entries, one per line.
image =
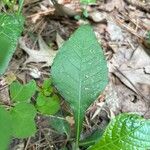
point(110, 6)
point(59, 40)
point(45, 54)
point(134, 73)
point(35, 73)
point(114, 31)
point(70, 120)
point(97, 16)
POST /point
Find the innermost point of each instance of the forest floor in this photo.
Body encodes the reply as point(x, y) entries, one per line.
point(121, 27)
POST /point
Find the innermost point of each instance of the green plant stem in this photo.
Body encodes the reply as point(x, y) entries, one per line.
point(75, 146)
point(20, 6)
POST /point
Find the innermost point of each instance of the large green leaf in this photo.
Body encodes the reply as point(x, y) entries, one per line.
point(20, 92)
point(5, 129)
point(126, 132)
point(11, 27)
point(23, 123)
point(80, 73)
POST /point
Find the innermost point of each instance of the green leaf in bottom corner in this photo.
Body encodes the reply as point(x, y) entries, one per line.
point(125, 132)
point(5, 129)
point(47, 105)
point(80, 73)
point(11, 26)
point(22, 93)
point(23, 123)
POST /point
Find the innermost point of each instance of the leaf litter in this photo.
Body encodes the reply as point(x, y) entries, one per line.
point(120, 26)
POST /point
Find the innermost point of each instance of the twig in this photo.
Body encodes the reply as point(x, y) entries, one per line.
point(139, 5)
point(27, 143)
point(136, 90)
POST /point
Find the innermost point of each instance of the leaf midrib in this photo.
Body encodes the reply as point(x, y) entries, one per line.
point(79, 104)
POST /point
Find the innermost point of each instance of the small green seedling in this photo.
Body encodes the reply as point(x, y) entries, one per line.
point(19, 119)
point(47, 105)
point(47, 102)
point(84, 14)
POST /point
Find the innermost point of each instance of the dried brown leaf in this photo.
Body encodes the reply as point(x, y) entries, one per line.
point(45, 54)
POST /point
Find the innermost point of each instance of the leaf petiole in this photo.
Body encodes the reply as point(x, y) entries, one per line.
point(20, 6)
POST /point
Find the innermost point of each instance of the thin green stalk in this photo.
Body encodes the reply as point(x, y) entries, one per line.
point(75, 146)
point(20, 6)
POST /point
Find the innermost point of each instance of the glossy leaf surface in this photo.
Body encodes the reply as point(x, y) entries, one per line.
point(125, 132)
